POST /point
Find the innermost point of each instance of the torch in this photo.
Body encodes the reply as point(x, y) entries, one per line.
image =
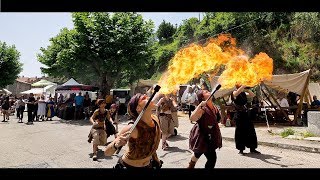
point(214, 91)
point(156, 89)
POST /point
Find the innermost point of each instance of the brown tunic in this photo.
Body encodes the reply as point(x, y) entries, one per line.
point(206, 126)
point(147, 142)
point(166, 105)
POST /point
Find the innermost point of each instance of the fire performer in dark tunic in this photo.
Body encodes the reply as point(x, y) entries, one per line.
point(245, 134)
point(205, 136)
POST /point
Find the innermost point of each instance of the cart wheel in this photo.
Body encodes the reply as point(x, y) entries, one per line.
point(175, 132)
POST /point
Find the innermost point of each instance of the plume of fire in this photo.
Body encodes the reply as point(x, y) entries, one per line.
point(242, 70)
point(192, 61)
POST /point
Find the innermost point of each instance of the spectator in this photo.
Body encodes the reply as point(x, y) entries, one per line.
point(315, 103)
point(50, 109)
point(191, 99)
point(86, 106)
point(283, 102)
point(21, 107)
point(41, 108)
point(30, 106)
point(35, 110)
point(79, 105)
point(5, 109)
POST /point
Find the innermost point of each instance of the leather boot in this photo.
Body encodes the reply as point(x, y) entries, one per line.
point(191, 164)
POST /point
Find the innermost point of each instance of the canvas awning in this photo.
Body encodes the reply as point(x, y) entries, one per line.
point(289, 82)
point(147, 82)
point(284, 82)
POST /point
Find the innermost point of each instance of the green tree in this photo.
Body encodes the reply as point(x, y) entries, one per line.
point(107, 49)
point(10, 67)
point(165, 32)
point(186, 32)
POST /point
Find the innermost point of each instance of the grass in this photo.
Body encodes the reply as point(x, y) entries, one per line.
point(307, 134)
point(287, 132)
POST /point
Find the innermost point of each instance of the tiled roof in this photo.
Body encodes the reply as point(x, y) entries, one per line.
point(28, 79)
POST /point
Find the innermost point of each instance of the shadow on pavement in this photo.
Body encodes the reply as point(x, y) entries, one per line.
point(72, 122)
point(266, 158)
point(172, 149)
point(176, 138)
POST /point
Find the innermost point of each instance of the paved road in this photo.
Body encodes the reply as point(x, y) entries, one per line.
point(62, 144)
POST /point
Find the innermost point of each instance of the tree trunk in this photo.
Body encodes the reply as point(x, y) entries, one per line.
point(106, 85)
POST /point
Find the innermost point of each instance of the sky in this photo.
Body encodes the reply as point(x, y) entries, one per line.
point(31, 31)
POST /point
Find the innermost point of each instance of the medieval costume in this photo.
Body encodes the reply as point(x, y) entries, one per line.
point(245, 134)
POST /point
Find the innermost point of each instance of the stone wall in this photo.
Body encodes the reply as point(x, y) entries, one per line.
point(314, 122)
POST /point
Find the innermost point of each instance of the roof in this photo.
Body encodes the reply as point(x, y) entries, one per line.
point(28, 79)
point(20, 81)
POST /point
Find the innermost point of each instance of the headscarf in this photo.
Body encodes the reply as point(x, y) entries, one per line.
point(100, 101)
point(133, 104)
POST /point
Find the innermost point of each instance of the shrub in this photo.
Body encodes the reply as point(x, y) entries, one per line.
point(307, 134)
point(287, 132)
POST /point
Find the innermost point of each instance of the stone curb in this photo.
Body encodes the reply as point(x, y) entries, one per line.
point(283, 146)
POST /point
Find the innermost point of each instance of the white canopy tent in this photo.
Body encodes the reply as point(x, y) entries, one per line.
point(35, 91)
point(42, 83)
point(71, 82)
point(50, 89)
point(72, 86)
point(5, 91)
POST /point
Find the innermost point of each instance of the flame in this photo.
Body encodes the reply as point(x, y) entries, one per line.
point(242, 70)
point(192, 61)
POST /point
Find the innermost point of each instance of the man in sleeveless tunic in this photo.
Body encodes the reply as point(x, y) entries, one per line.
point(165, 106)
point(97, 131)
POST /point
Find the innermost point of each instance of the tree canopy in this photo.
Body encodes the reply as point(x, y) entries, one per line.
point(10, 67)
point(104, 49)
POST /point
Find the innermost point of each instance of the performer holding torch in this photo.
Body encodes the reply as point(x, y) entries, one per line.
point(205, 136)
point(245, 134)
point(142, 135)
